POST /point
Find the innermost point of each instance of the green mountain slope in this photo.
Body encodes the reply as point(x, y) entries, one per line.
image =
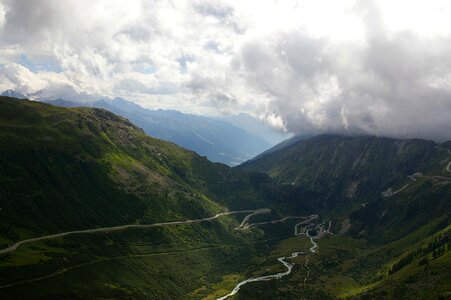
point(369, 176)
point(392, 218)
point(75, 169)
point(219, 140)
point(345, 170)
point(72, 169)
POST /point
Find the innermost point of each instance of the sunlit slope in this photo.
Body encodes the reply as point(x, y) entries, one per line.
point(99, 167)
point(67, 169)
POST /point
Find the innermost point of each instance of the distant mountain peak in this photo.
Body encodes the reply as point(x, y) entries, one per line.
point(13, 94)
point(219, 140)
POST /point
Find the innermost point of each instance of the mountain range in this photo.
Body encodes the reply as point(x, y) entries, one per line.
point(13, 94)
point(93, 207)
point(230, 140)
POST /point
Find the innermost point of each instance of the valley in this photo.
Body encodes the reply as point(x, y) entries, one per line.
point(289, 266)
point(225, 150)
point(244, 225)
point(92, 207)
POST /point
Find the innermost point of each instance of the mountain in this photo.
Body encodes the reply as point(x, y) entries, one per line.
point(363, 174)
point(345, 169)
point(13, 94)
point(93, 208)
point(218, 140)
point(281, 145)
point(392, 195)
point(71, 169)
point(66, 103)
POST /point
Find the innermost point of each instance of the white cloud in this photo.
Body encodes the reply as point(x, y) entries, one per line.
point(23, 79)
point(306, 66)
point(275, 121)
point(2, 15)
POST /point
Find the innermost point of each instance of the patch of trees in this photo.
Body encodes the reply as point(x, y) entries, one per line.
point(404, 261)
point(437, 247)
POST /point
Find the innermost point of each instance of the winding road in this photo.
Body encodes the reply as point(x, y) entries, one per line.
point(131, 226)
point(448, 166)
point(289, 266)
point(256, 212)
point(243, 226)
point(389, 193)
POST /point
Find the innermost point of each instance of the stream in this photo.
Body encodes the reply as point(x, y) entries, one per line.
point(284, 259)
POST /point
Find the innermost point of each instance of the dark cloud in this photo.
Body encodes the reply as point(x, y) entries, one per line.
point(25, 22)
point(391, 84)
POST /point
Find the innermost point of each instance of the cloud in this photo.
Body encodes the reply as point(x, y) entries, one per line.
point(2, 15)
point(389, 83)
point(356, 67)
point(22, 78)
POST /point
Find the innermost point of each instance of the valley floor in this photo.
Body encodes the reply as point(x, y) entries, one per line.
point(314, 264)
point(35, 252)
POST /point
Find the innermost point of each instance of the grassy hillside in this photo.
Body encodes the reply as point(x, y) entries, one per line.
point(69, 169)
point(391, 226)
point(346, 171)
point(64, 169)
point(414, 267)
point(219, 140)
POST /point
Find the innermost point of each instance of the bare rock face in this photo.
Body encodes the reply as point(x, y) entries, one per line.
point(352, 190)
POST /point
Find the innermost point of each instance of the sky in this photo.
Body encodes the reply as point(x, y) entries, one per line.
point(349, 67)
